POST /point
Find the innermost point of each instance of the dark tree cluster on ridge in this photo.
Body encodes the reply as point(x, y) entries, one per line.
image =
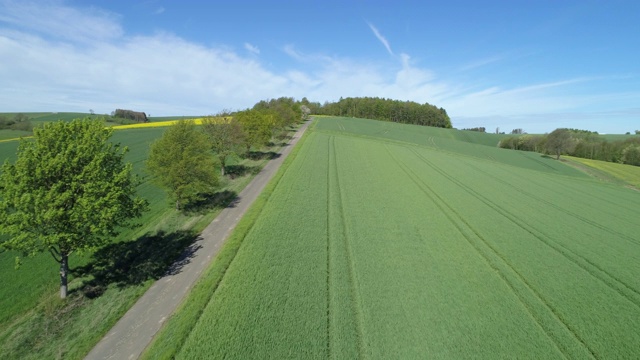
point(405, 112)
point(478, 129)
point(131, 115)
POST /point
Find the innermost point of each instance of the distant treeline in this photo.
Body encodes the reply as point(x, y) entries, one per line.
point(478, 129)
point(17, 122)
point(581, 143)
point(406, 112)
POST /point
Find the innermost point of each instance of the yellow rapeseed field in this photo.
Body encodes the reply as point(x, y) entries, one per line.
point(198, 121)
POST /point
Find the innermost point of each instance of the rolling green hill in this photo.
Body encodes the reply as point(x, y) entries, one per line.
point(465, 143)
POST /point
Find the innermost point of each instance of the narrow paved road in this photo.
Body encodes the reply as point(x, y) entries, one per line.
point(135, 330)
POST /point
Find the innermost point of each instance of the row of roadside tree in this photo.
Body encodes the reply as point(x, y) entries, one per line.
point(70, 190)
point(184, 158)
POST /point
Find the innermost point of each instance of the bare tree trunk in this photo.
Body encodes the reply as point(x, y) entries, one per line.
point(177, 204)
point(64, 270)
point(222, 169)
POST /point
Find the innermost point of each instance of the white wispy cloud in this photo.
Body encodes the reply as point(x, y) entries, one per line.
point(45, 67)
point(252, 48)
point(382, 39)
point(293, 53)
point(480, 63)
point(159, 10)
point(51, 19)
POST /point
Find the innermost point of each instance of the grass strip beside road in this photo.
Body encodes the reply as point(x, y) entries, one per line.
point(169, 340)
point(627, 174)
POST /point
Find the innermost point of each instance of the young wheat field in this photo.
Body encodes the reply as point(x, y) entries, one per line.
point(386, 241)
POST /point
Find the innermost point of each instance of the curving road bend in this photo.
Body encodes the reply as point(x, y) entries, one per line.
point(135, 330)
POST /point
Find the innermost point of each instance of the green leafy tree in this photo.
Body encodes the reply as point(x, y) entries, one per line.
point(256, 125)
point(182, 163)
point(225, 137)
point(286, 111)
point(631, 155)
point(20, 118)
point(559, 141)
point(68, 191)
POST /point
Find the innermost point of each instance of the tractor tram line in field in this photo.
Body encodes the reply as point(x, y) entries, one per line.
point(555, 189)
point(343, 234)
point(564, 210)
point(597, 271)
point(618, 203)
point(590, 267)
point(620, 286)
point(329, 263)
point(545, 316)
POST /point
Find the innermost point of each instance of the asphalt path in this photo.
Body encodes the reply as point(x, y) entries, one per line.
point(135, 330)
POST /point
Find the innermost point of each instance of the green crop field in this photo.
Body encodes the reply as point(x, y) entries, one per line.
point(382, 240)
point(619, 137)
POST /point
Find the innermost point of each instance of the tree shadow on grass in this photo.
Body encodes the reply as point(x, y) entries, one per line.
point(151, 256)
point(208, 202)
point(284, 137)
point(234, 171)
point(263, 155)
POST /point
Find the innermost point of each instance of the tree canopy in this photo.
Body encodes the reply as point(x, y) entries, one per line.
point(182, 162)
point(256, 125)
point(225, 137)
point(286, 110)
point(559, 141)
point(68, 191)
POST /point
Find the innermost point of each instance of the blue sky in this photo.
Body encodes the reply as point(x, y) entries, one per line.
point(536, 65)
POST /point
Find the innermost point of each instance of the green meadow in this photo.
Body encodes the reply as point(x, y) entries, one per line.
point(380, 240)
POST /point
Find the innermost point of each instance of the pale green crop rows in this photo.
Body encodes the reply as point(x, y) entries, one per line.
point(376, 247)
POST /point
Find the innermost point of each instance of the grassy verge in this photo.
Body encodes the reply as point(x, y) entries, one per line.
point(608, 171)
point(169, 340)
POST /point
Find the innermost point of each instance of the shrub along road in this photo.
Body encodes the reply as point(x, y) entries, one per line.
point(135, 330)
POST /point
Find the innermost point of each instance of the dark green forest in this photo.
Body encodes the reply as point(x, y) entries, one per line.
point(405, 112)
